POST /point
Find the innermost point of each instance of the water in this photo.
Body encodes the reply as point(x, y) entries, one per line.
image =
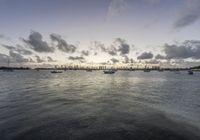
point(79, 105)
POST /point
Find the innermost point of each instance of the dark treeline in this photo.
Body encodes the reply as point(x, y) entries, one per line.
point(100, 68)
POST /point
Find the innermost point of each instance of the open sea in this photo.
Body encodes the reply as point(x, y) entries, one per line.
point(80, 105)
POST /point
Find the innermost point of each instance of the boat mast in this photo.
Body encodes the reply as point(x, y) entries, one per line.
point(8, 61)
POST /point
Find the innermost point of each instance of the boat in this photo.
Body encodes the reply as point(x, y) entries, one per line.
point(110, 71)
point(56, 71)
point(88, 70)
point(147, 70)
point(190, 72)
point(160, 70)
point(177, 72)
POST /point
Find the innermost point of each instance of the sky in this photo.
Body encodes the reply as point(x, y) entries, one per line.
point(59, 32)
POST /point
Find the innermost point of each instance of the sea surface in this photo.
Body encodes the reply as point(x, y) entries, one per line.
point(80, 105)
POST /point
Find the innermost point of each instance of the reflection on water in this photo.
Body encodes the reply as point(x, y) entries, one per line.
point(92, 106)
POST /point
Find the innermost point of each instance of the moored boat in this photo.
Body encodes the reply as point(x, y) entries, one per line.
point(147, 70)
point(89, 70)
point(56, 71)
point(190, 72)
point(110, 71)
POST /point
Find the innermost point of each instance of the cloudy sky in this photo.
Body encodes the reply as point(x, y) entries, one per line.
point(39, 32)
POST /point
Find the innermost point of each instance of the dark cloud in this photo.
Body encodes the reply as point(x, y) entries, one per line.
point(159, 57)
point(16, 57)
point(124, 48)
point(18, 49)
point(188, 49)
point(49, 59)
point(77, 58)
point(23, 51)
point(62, 45)
point(99, 46)
point(145, 55)
point(189, 15)
point(112, 51)
point(9, 47)
point(36, 43)
point(39, 59)
point(118, 47)
point(85, 53)
point(114, 60)
point(31, 60)
point(126, 59)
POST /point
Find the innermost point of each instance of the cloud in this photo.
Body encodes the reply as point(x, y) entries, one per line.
point(62, 45)
point(132, 61)
point(49, 59)
point(126, 59)
point(111, 51)
point(187, 49)
point(17, 57)
point(119, 46)
point(115, 7)
point(85, 53)
point(3, 58)
point(160, 57)
point(77, 58)
point(9, 47)
point(189, 15)
point(145, 55)
point(114, 60)
point(124, 48)
point(98, 45)
point(39, 60)
point(18, 49)
point(36, 43)
point(154, 61)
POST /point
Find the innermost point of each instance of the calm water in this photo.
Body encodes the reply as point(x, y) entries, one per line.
point(79, 105)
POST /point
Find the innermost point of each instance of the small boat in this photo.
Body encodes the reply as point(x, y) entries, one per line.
point(56, 71)
point(88, 70)
point(110, 71)
point(177, 72)
point(160, 70)
point(147, 70)
point(190, 72)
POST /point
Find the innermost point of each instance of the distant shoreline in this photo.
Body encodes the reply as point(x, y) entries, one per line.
point(96, 69)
